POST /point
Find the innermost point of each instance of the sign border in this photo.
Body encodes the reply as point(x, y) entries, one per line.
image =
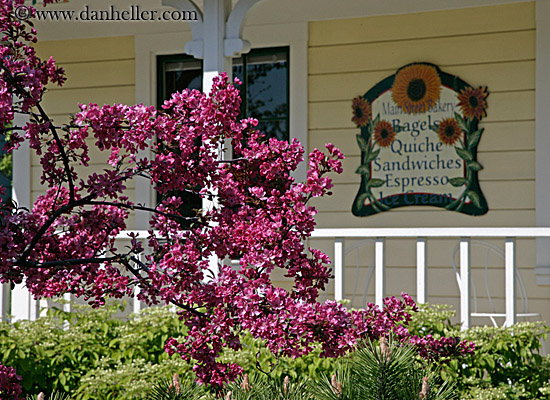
point(477, 204)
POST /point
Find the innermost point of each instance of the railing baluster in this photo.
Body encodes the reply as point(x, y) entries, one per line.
point(67, 303)
point(509, 266)
point(379, 272)
point(421, 277)
point(465, 282)
point(338, 269)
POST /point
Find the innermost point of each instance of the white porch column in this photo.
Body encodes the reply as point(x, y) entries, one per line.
point(215, 15)
point(23, 305)
point(216, 39)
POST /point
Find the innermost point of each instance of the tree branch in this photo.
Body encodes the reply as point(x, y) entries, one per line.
point(67, 263)
point(143, 208)
point(56, 214)
point(136, 273)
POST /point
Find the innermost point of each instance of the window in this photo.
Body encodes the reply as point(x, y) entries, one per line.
point(264, 74)
point(5, 170)
point(176, 73)
point(264, 89)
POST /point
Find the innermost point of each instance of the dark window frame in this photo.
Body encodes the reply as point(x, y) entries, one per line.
point(163, 60)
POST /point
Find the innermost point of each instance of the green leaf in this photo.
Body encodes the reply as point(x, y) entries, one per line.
point(474, 166)
point(363, 145)
point(372, 156)
point(473, 139)
point(444, 375)
point(360, 202)
point(459, 181)
point(375, 183)
point(474, 197)
point(461, 121)
point(363, 170)
point(464, 154)
point(62, 379)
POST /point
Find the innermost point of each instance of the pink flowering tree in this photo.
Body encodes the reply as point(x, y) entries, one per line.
point(66, 242)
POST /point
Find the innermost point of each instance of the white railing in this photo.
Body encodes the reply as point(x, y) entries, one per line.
point(422, 234)
point(338, 235)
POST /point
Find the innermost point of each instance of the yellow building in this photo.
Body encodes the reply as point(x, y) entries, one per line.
point(330, 53)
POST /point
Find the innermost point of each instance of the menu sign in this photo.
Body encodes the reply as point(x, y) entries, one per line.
point(418, 141)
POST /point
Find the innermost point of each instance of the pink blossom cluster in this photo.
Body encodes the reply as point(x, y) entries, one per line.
point(10, 384)
point(22, 74)
point(260, 216)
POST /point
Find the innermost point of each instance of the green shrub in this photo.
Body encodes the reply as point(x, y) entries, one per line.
point(103, 357)
point(96, 355)
point(506, 362)
point(255, 356)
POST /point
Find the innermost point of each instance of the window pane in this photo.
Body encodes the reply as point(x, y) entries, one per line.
point(5, 178)
point(178, 74)
point(238, 71)
point(267, 82)
point(182, 75)
point(277, 129)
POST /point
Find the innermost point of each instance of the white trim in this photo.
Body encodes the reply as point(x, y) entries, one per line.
point(473, 232)
point(542, 138)
point(400, 233)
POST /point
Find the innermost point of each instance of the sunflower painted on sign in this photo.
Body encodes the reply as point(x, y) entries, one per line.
point(416, 88)
point(361, 111)
point(384, 134)
point(473, 102)
point(449, 132)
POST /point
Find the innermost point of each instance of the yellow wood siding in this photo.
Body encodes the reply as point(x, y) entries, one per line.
point(485, 46)
point(492, 46)
point(99, 71)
